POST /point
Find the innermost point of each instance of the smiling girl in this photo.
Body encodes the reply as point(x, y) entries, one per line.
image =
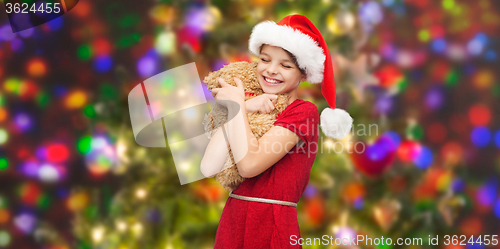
point(261, 212)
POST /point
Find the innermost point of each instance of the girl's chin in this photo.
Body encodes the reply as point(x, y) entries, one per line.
point(271, 90)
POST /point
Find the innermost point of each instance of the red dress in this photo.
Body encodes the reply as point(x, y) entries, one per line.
point(249, 224)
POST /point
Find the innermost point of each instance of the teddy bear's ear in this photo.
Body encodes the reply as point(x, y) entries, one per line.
point(240, 69)
point(211, 80)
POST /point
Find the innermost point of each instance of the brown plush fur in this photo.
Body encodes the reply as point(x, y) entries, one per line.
point(260, 123)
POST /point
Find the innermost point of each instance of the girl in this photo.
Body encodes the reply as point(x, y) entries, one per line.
point(261, 213)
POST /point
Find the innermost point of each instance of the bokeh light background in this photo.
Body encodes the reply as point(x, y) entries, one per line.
point(425, 71)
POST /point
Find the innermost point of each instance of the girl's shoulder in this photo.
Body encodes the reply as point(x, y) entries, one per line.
point(299, 108)
point(306, 104)
point(302, 118)
point(301, 105)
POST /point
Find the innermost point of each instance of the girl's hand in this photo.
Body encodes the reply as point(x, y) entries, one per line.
point(263, 103)
point(228, 92)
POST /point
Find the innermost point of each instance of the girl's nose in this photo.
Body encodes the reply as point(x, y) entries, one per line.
point(272, 69)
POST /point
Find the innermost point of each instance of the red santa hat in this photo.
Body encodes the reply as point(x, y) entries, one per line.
point(298, 35)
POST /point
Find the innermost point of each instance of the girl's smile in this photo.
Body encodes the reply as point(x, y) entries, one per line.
point(271, 82)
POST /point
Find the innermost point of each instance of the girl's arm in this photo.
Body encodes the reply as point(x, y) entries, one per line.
point(253, 156)
point(215, 154)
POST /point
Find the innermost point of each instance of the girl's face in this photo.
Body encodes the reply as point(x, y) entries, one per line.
point(276, 71)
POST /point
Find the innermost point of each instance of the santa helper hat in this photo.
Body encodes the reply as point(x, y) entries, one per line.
point(299, 36)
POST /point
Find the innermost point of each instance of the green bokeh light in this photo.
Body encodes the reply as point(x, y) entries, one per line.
point(108, 92)
point(424, 204)
point(43, 201)
point(496, 90)
point(103, 161)
point(167, 85)
point(89, 111)
point(84, 52)
point(452, 78)
point(4, 238)
point(4, 136)
point(131, 20)
point(403, 84)
point(127, 41)
point(424, 35)
point(415, 132)
point(90, 212)
point(384, 246)
point(3, 202)
point(4, 164)
point(13, 85)
point(84, 144)
point(42, 99)
point(448, 4)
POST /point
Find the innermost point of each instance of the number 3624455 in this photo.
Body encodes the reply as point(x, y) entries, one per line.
point(26, 8)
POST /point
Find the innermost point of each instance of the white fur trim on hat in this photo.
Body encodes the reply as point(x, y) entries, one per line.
point(335, 123)
point(309, 54)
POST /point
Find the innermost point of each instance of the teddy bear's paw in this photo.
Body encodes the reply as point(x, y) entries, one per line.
point(229, 183)
point(207, 125)
point(230, 178)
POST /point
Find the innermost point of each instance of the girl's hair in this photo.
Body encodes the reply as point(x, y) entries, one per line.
point(291, 56)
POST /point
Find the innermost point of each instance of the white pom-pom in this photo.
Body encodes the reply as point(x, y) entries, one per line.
point(335, 123)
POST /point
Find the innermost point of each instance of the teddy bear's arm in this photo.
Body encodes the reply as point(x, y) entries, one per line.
point(255, 156)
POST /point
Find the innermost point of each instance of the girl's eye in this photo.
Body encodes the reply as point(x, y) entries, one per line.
point(287, 66)
point(264, 60)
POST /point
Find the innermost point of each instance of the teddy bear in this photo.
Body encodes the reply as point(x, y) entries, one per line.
point(259, 123)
